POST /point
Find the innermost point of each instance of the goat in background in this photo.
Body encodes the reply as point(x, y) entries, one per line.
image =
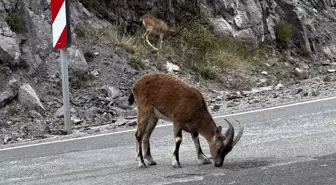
point(157, 27)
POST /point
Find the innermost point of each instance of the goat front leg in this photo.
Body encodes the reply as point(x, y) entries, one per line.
point(160, 41)
point(178, 141)
point(143, 118)
point(144, 36)
point(200, 155)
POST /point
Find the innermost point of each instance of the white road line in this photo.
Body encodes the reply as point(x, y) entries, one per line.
point(169, 124)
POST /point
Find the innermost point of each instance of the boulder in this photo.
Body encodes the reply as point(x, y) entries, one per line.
point(113, 92)
point(29, 99)
point(10, 93)
point(60, 112)
point(77, 61)
point(172, 67)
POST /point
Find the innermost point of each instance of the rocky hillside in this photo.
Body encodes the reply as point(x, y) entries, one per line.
point(223, 47)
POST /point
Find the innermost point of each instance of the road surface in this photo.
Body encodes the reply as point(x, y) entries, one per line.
point(285, 145)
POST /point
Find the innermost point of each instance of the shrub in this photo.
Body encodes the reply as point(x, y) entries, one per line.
point(284, 31)
point(14, 21)
point(80, 80)
point(201, 50)
point(136, 63)
point(90, 4)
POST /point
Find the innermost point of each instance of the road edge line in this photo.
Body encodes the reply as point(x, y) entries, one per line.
point(169, 124)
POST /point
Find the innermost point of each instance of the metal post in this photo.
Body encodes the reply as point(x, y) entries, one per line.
point(65, 88)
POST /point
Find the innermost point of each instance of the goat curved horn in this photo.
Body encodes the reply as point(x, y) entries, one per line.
point(229, 133)
point(239, 135)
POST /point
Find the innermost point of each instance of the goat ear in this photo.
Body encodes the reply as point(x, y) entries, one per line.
point(219, 130)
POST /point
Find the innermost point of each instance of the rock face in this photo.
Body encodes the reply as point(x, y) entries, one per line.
point(9, 47)
point(254, 21)
point(31, 41)
point(257, 21)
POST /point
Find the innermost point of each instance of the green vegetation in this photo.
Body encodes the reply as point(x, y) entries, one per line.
point(284, 30)
point(90, 4)
point(137, 63)
point(196, 48)
point(111, 36)
point(207, 53)
point(80, 80)
point(12, 111)
point(14, 21)
point(3, 79)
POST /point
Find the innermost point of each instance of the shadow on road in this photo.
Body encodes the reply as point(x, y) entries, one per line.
point(241, 165)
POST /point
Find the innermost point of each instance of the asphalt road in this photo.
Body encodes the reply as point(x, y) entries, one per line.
point(288, 145)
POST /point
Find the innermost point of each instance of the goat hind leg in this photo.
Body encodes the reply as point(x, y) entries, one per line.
point(146, 145)
point(200, 155)
point(143, 118)
point(139, 137)
point(150, 43)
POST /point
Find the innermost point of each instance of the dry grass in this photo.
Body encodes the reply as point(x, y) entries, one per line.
point(196, 48)
point(206, 53)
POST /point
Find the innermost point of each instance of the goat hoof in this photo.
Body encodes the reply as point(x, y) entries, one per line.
point(204, 160)
point(207, 161)
point(176, 164)
point(152, 163)
point(142, 165)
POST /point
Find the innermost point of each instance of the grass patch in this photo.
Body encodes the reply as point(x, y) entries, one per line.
point(137, 63)
point(14, 21)
point(205, 72)
point(3, 80)
point(80, 80)
point(89, 56)
point(206, 53)
point(196, 48)
point(12, 111)
point(90, 4)
point(284, 30)
point(111, 36)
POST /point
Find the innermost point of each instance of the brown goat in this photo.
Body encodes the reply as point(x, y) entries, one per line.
point(165, 96)
point(156, 26)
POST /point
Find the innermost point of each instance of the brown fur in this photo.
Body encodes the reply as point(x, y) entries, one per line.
point(177, 101)
point(157, 27)
point(165, 96)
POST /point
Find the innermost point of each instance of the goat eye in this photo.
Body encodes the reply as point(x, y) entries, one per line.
point(218, 150)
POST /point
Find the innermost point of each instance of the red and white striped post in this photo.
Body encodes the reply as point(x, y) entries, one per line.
point(60, 16)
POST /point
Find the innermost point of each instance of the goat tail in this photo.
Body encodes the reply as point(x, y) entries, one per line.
point(131, 99)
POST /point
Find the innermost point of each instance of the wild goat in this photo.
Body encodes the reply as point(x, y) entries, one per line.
point(156, 26)
point(165, 96)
